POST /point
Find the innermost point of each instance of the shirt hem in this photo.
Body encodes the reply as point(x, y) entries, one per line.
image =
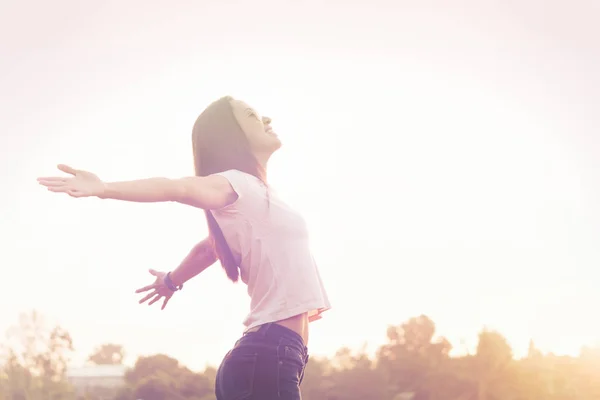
point(290, 313)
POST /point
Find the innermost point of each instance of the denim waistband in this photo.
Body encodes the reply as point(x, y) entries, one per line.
point(275, 334)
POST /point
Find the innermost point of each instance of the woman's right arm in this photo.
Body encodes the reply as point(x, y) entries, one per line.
point(207, 192)
point(202, 256)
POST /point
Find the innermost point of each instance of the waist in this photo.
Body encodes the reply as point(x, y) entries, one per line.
point(274, 334)
point(296, 323)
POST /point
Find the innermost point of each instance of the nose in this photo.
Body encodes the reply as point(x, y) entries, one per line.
point(266, 120)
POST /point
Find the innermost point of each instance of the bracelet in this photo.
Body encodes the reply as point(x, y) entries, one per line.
point(169, 283)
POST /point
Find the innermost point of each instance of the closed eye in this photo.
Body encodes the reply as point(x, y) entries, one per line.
point(250, 112)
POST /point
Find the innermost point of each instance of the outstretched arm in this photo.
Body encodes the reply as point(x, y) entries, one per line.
point(200, 257)
point(210, 192)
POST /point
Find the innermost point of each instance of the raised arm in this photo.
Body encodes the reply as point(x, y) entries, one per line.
point(210, 192)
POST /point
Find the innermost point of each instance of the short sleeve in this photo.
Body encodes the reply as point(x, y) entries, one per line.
point(239, 182)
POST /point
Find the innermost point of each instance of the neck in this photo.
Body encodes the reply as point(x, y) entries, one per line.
point(263, 159)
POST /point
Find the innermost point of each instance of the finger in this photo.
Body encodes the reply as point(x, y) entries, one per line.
point(56, 186)
point(146, 288)
point(153, 272)
point(165, 303)
point(52, 179)
point(58, 189)
point(148, 296)
point(155, 299)
point(67, 169)
point(53, 183)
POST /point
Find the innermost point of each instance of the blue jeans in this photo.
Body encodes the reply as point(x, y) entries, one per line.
point(263, 365)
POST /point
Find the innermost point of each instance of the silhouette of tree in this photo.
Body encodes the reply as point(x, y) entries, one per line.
point(492, 362)
point(108, 354)
point(412, 365)
point(412, 357)
point(36, 360)
point(162, 377)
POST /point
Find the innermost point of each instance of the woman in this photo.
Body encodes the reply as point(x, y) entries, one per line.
point(252, 232)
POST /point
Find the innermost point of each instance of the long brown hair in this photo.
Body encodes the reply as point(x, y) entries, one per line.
point(220, 145)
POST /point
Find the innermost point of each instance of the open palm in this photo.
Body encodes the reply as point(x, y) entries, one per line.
point(157, 290)
point(79, 184)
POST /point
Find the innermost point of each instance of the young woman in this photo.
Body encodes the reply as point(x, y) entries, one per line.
point(253, 234)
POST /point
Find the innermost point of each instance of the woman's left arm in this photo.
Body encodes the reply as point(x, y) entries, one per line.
point(200, 257)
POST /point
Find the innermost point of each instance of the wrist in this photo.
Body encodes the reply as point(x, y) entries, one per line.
point(172, 285)
point(176, 278)
point(103, 190)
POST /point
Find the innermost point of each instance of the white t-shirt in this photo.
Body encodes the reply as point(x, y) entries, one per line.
point(269, 241)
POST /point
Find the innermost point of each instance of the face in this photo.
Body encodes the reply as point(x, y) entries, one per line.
point(262, 139)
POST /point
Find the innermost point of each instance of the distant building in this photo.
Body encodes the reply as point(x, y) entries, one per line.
point(97, 376)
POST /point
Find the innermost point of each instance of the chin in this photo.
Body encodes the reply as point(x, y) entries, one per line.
point(276, 144)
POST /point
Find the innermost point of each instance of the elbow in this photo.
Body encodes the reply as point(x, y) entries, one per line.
point(183, 192)
point(178, 191)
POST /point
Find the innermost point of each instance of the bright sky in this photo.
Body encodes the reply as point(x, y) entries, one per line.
point(446, 158)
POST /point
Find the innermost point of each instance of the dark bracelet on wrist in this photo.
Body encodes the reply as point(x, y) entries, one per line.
point(169, 283)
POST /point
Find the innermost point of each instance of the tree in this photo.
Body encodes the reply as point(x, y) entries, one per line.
point(493, 363)
point(317, 380)
point(413, 365)
point(108, 354)
point(36, 360)
point(160, 377)
point(355, 376)
point(412, 356)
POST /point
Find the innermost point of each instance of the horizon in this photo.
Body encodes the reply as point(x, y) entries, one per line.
point(89, 365)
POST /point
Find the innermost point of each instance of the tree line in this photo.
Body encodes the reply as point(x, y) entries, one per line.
point(414, 364)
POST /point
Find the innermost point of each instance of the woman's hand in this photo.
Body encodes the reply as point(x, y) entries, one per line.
point(158, 290)
point(80, 184)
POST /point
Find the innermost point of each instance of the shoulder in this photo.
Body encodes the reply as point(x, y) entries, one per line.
point(233, 174)
point(238, 180)
point(244, 185)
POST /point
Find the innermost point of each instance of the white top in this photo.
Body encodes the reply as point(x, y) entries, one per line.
point(269, 241)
